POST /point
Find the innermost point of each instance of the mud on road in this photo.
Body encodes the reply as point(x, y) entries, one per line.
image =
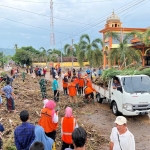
point(101, 117)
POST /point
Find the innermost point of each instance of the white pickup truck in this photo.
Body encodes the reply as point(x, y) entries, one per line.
point(131, 98)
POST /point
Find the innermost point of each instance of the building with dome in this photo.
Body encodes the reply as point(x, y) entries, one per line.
point(113, 24)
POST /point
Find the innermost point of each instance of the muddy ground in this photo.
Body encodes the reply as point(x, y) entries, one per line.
point(96, 119)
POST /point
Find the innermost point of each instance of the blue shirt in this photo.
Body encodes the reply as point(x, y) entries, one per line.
point(55, 85)
point(7, 90)
point(88, 71)
point(24, 136)
point(99, 72)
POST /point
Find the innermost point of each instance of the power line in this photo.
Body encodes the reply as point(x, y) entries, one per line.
point(31, 25)
point(84, 29)
point(67, 3)
point(42, 14)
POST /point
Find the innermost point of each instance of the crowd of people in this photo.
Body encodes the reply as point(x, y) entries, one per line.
point(43, 135)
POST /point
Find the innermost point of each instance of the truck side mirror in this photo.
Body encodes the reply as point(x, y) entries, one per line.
point(119, 88)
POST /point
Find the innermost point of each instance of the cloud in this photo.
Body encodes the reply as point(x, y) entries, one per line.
point(74, 10)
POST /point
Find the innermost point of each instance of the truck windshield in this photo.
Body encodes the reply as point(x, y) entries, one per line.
point(136, 84)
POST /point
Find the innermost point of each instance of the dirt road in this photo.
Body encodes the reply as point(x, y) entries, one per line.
point(101, 117)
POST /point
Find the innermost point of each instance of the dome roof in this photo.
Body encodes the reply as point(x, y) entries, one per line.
point(113, 17)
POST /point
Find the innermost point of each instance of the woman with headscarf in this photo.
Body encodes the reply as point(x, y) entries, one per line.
point(40, 136)
point(49, 119)
point(68, 124)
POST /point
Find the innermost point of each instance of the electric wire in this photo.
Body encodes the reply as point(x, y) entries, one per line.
point(31, 25)
point(66, 3)
point(117, 12)
point(42, 14)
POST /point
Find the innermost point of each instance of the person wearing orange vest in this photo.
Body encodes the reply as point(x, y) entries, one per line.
point(65, 84)
point(88, 91)
point(81, 85)
point(76, 81)
point(88, 82)
point(68, 124)
point(49, 119)
point(72, 93)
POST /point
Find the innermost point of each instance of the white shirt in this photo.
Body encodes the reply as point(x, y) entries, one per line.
point(127, 141)
point(94, 74)
point(62, 76)
point(55, 118)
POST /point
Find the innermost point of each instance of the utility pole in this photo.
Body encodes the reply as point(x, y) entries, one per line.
point(61, 54)
point(72, 53)
point(52, 35)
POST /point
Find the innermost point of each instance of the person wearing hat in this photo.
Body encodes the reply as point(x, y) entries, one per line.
point(55, 88)
point(121, 138)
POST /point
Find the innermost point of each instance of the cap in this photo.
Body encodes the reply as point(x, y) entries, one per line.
point(56, 77)
point(120, 120)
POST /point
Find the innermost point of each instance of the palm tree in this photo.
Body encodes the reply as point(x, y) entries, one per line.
point(124, 53)
point(90, 50)
point(16, 46)
point(45, 53)
point(69, 50)
point(145, 37)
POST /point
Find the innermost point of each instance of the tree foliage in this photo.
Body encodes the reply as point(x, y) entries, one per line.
point(23, 57)
point(90, 50)
point(124, 50)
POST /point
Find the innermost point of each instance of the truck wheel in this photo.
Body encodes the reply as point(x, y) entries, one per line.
point(115, 109)
point(99, 99)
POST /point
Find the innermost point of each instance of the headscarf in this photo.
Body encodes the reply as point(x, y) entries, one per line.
point(45, 101)
point(51, 105)
point(68, 112)
point(41, 137)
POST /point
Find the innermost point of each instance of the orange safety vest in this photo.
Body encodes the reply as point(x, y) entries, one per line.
point(88, 90)
point(72, 89)
point(81, 82)
point(46, 121)
point(68, 126)
point(89, 83)
point(76, 80)
point(65, 84)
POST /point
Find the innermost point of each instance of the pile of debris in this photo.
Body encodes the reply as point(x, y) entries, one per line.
point(28, 97)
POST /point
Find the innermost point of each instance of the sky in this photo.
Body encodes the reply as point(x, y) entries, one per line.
point(27, 22)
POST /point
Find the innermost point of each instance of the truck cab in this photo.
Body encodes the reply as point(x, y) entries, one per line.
point(131, 96)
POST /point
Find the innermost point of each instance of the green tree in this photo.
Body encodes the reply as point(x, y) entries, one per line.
point(90, 50)
point(124, 53)
point(23, 57)
point(145, 37)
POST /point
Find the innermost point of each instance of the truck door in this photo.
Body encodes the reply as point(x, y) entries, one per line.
point(116, 95)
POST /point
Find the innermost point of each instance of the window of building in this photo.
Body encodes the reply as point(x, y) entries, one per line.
point(115, 25)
